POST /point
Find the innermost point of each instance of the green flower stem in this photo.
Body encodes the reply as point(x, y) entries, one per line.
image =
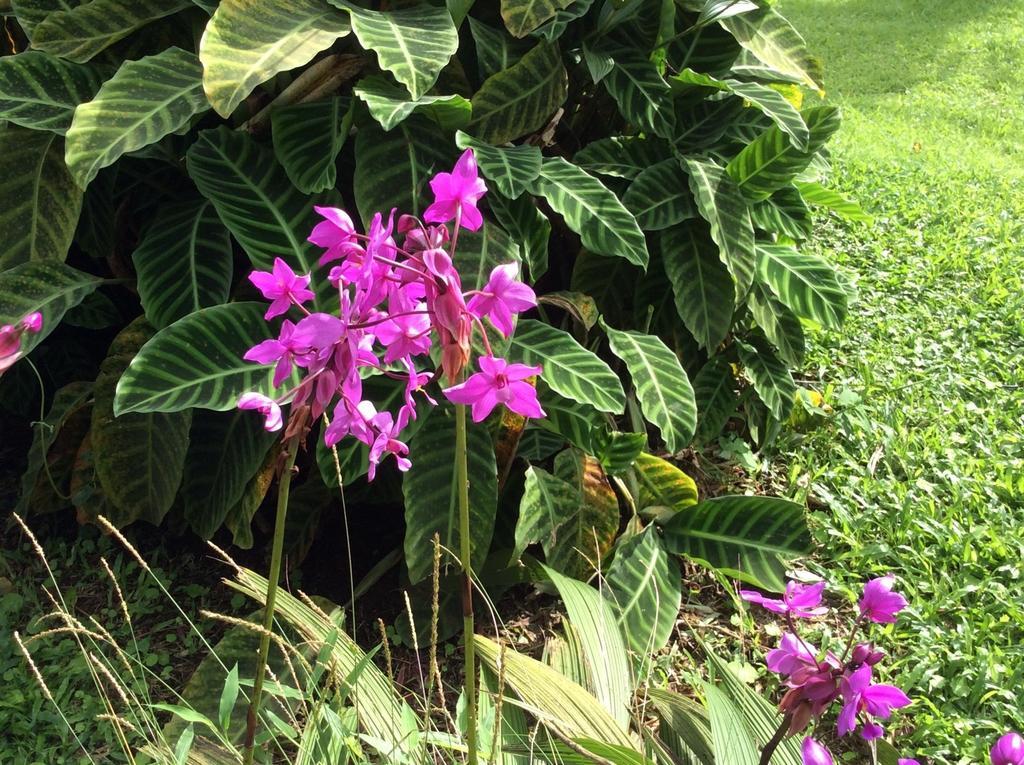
point(283, 487)
point(469, 649)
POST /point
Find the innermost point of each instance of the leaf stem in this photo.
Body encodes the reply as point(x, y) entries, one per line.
point(771, 746)
point(465, 552)
point(283, 488)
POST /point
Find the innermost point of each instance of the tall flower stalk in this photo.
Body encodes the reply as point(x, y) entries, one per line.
point(400, 297)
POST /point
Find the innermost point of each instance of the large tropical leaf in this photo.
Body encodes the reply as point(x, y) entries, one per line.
point(41, 91)
point(146, 100)
point(413, 43)
point(604, 649)
point(496, 50)
point(527, 225)
point(30, 13)
point(773, 40)
point(139, 458)
point(39, 200)
point(557, 701)
point(50, 288)
point(197, 362)
point(586, 536)
point(645, 587)
point(523, 16)
point(714, 389)
point(393, 168)
point(569, 368)
point(683, 727)
point(79, 33)
point(722, 205)
point(769, 374)
point(622, 156)
point(307, 139)
point(520, 99)
point(701, 283)
point(780, 325)
point(804, 282)
point(268, 216)
point(816, 194)
point(772, 161)
point(785, 213)
point(511, 170)
point(591, 210)
point(729, 733)
point(661, 384)
point(577, 423)
point(660, 197)
point(390, 104)
point(603, 279)
point(745, 537)
point(547, 503)
point(183, 262)
point(247, 42)
point(643, 96)
point(432, 493)
point(660, 484)
point(226, 450)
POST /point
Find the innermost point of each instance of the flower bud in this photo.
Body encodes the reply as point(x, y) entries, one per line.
point(815, 754)
point(1008, 750)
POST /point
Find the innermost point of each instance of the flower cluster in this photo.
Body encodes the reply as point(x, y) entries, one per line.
point(400, 298)
point(10, 338)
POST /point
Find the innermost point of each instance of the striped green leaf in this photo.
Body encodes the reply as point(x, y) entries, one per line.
point(41, 91)
point(394, 167)
point(714, 389)
point(247, 42)
point(702, 125)
point(771, 161)
point(552, 30)
point(50, 288)
point(780, 325)
point(706, 49)
point(146, 100)
point(785, 213)
point(139, 458)
point(413, 43)
point(225, 451)
point(183, 262)
point(307, 139)
point(590, 209)
point(722, 205)
point(660, 484)
point(79, 33)
point(646, 589)
point(268, 216)
point(597, 627)
point(660, 197)
point(538, 444)
point(579, 424)
point(730, 735)
point(622, 156)
point(30, 13)
point(390, 104)
point(546, 504)
point(771, 378)
point(197, 362)
point(701, 284)
point(662, 386)
point(745, 537)
point(643, 96)
point(496, 51)
point(526, 224)
point(511, 170)
point(39, 200)
point(569, 368)
point(431, 492)
point(772, 39)
point(617, 451)
point(683, 727)
point(520, 99)
point(804, 282)
point(603, 279)
point(523, 16)
point(815, 194)
point(768, 100)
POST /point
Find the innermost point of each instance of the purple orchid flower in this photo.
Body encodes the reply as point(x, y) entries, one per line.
point(456, 194)
point(799, 600)
point(861, 695)
point(269, 408)
point(282, 287)
point(1008, 750)
point(503, 296)
point(879, 603)
point(815, 754)
point(498, 382)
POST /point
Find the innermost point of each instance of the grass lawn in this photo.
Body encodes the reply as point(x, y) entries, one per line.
point(922, 466)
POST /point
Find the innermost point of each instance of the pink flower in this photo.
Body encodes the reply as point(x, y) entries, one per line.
point(906, 761)
point(456, 194)
point(1008, 750)
point(879, 603)
point(404, 336)
point(281, 286)
point(502, 296)
point(791, 655)
point(498, 382)
point(265, 406)
point(386, 441)
point(860, 695)
point(10, 340)
point(280, 350)
point(815, 754)
point(800, 600)
point(33, 322)
point(871, 731)
point(336, 233)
